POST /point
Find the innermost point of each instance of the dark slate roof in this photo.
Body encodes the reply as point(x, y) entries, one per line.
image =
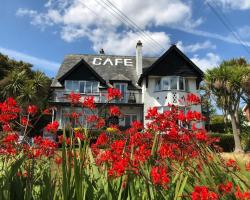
point(107, 72)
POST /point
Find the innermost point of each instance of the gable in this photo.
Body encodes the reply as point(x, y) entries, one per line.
point(173, 62)
point(82, 71)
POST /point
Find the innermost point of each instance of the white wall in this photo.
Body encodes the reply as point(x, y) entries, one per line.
point(154, 98)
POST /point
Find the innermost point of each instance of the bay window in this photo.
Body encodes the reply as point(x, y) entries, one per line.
point(171, 83)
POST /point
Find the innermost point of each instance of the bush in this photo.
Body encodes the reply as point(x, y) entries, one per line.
point(226, 141)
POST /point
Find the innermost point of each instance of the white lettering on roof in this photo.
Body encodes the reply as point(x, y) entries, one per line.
point(117, 61)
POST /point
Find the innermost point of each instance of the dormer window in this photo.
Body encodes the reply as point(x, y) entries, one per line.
point(170, 83)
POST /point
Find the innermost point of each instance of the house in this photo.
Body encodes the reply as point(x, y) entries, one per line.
point(246, 112)
point(144, 81)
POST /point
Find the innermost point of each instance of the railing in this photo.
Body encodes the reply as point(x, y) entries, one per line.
point(130, 97)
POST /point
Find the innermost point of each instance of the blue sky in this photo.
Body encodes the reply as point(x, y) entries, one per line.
point(42, 32)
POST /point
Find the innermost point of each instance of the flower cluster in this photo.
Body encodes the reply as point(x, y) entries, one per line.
point(203, 193)
point(52, 127)
point(114, 93)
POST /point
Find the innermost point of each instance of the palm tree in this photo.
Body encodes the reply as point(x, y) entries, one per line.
point(14, 82)
point(226, 85)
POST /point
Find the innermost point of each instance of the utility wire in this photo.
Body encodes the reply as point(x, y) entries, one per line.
point(121, 18)
point(228, 25)
point(135, 25)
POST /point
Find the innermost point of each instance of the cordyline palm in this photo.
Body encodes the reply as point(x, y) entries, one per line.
point(15, 81)
point(226, 85)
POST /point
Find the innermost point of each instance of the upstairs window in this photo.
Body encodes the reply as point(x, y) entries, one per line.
point(171, 83)
point(81, 86)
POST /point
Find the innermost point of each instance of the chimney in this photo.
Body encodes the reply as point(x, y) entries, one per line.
point(139, 58)
point(101, 51)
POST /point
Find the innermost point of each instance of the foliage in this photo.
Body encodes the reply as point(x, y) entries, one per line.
point(226, 83)
point(218, 125)
point(18, 80)
point(226, 141)
point(164, 160)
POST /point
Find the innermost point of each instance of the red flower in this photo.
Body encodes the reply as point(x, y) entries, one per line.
point(227, 187)
point(232, 163)
point(114, 111)
point(47, 111)
point(74, 97)
point(24, 121)
point(193, 99)
point(102, 139)
point(79, 136)
point(52, 127)
point(159, 176)
point(100, 123)
point(201, 136)
point(248, 166)
point(11, 138)
point(241, 195)
point(152, 113)
point(6, 128)
point(89, 102)
point(58, 160)
point(202, 193)
point(32, 109)
point(8, 110)
point(114, 93)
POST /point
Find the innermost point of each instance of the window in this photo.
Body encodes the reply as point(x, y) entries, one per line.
point(161, 109)
point(186, 85)
point(66, 120)
point(123, 88)
point(181, 83)
point(165, 83)
point(129, 118)
point(81, 86)
point(170, 83)
point(157, 84)
point(173, 82)
point(72, 86)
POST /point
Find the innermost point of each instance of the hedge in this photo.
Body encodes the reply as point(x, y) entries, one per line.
point(226, 141)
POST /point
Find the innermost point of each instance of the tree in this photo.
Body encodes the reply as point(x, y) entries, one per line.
point(226, 85)
point(17, 79)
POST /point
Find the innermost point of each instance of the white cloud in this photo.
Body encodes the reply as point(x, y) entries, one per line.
point(124, 43)
point(232, 4)
point(225, 38)
point(209, 61)
point(99, 22)
point(196, 46)
point(244, 32)
point(39, 63)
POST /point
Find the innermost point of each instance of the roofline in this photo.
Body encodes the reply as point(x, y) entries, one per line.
point(103, 55)
point(173, 47)
point(82, 61)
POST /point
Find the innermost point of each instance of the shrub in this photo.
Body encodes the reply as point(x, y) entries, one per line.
point(226, 141)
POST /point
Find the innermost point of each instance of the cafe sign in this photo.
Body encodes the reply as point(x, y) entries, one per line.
point(114, 62)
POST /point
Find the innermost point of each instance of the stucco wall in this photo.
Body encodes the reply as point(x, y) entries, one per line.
point(154, 98)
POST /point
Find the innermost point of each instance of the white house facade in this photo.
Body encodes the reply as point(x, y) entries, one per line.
point(144, 82)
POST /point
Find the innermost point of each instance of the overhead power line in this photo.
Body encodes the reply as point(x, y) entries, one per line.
point(132, 25)
point(135, 25)
point(226, 22)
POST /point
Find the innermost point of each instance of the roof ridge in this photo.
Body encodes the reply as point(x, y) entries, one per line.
point(105, 55)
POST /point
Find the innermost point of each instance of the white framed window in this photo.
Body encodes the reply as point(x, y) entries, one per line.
point(161, 109)
point(158, 84)
point(72, 85)
point(82, 86)
point(127, 119)
point(123, 89)
point(66, 121)
point(170, 83)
